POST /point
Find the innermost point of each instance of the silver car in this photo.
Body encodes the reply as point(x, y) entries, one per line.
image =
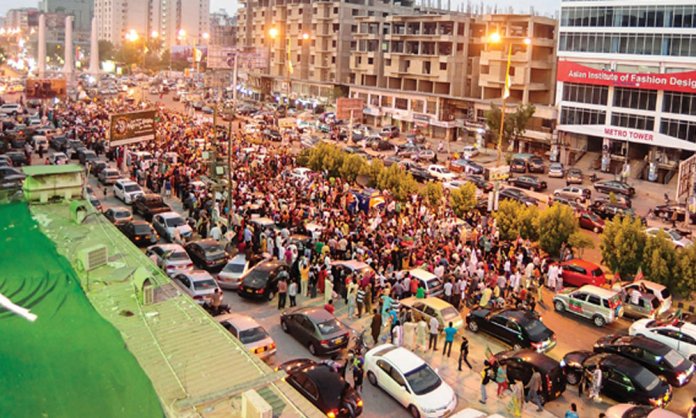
point(231, 275)
point(172, 258)
point(250, 333)
point(198, 284)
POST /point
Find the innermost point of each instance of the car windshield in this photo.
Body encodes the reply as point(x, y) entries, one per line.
point(252, 335)
point(234, 268)
point(646, 379)
point(329, 327)
point(675, 235)
point(535, 329)
point(204, 284)
point(174, 222)
point(433, 283)
point(178, 255)
point(132, 188)
point(450, 313)
point(423, 380)
point(665, 293)
point(121, 214)
point(673, 358)
point(597, 272)
point(141, 228)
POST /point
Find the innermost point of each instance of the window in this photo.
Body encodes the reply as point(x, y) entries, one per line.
point(594, 299)
point(681, 129)
point(679, 103)
point(627, 120)
point(579, 296)
point(443, 66)
point(396, 375)
point(679, 45)
point(578, 116)
point(585, 93)
point(384, 366)
point(635, 98)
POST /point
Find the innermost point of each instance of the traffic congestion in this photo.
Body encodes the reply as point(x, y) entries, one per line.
point(333, 282)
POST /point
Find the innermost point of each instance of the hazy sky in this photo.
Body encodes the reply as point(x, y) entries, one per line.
point(520, 6)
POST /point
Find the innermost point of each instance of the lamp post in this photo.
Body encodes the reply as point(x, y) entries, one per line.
point(496, 38)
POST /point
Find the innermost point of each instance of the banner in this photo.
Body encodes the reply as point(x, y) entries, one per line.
point(572, 72)
point(39, 88)
point(345, 105)
point(129, 128)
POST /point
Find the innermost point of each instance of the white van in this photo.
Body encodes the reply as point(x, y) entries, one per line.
point(430, 282)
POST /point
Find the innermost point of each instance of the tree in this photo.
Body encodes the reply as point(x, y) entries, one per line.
point(622, 244)
point(353, 165)
point(515, 123)
point(463, 199)
point(687, 271)
point(580, 241)
point(507, 219)
point(529, 223)
point(556, 224)
point(399, 183)
point(660, 260)
point(372, 170)
point(106, 50)
point(432, 193)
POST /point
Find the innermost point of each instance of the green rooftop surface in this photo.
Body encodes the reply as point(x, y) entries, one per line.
point(70, 362)
point(42, 170)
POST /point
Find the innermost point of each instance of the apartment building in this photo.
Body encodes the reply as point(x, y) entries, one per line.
point(439, 73)
point(167, 18)
point(627, 84)
point(308, 43)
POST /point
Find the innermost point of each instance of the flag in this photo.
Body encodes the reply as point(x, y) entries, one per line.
point(197, 54)
point(506, 90)
point(489, 355)
point(639, 275)
point(290, 69)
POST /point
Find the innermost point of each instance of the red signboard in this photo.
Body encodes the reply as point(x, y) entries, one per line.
point(572, 72)
point(347, 107)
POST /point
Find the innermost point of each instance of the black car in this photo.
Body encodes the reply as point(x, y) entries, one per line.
point(323, 387)
point(98, 166)
point(150, 204)
point(518, 166)
point(18, 158)
point(517, 328)
point(518, 196)
point(653, 355)
point(85, 155)
point(623, 380)
point(316, 329)
point(261, 282)
point(421, 174)
point(521, 364)
point(614, 186)
point(273, 135)
point(57, 142)
point(480, 183)
point(536, 165)
point(207, 254)
point(140, 233)
point(408, 149)
point(11, 177)
point(666, 212)
point(379, 144)
point(606, 210)
point(528, 182)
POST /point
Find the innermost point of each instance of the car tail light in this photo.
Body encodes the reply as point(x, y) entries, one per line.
point(198, 297)
point(332, 413)
point(170, 267)
point(189, 266)
point(548, 383)
point(324, 343)
point(260, 291)
point(271, 346)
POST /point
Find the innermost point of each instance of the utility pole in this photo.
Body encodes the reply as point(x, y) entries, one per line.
point(229, 141)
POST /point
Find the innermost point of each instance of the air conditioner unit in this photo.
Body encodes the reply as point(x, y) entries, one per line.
point(91, 258)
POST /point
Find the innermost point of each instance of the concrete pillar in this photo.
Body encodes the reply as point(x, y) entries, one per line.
point(41, 59)
point(94, 49)
point(69, 66)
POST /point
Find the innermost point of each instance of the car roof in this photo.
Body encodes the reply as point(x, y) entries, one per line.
point(518, 315)
point(351, 264)
point(170, 247)
point(206, 243)
point(169, 215)
point(581, 263)
point(540, 360)
point(642, 342)
point(241, 322)
point(316, 314)
point(599, 291)
point(435, 303)
point(197, 275)
point(330, 384)
point(421, 274)
point(120, 209)
point(404, 360)
point(618, 362)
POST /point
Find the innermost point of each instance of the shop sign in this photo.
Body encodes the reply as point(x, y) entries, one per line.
point(573, 72)
point(631, 135)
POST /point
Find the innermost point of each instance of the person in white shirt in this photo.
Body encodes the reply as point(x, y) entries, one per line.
point(447, 289)
point(434, 326)
point(635, 296)
point(216, 232)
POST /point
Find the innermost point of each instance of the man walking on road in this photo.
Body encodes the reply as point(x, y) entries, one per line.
point(534, 385)
point(376, 326)
point(450, 332)
point(434, 330)
point(463, 353)
point(282, 292)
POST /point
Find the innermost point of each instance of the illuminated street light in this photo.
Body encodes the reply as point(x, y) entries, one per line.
point(527, 41)
point(273, 32)
point(154, 34)
point(494, 38)
point(132, 35)
point(206, 35)
point(305, 36)
point(181, 34)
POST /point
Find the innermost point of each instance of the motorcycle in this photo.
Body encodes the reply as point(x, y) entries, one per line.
point(358, 346)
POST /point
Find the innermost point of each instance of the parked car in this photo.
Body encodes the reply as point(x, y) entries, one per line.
point(421, 174)
point(231, 275)
point(623, 380)
point(614, 186)
point(118, 215)
point(463, 165)
point(519, 329)
point(666, 212)
point(410, 381)
point(11, 109)
point(390, 131)
point(662, 293)
point(127, 190)
point(588, 220)
point(601, 305)
point(326, 389)
point(207, 254)
point(140, 233)
point(535, 164)
point(518, 166)
point(109, 176)
point(441, 172)
point(172, 258)
point(198, 284)
point(95, 203)
point(379, 144)
point(167, 223)
point(85, 155)
point(481, 183)
point(430, 282)
point(574, 176)
point(556, 170)
point(11, 177)
point(408, 149)
point(518, 195)
point(672, 235)
point(18, 158)
point(578, 193)
point(432, 307)
point(674, 333)
point(629, 410)
point(528, 182)
point(578, 272)
point(254, 337)
point(261, 282)
point(653, 355)
point(316, 329)
point(470, 151)
point(149, 204)
point(608, 210)
point(521, 364)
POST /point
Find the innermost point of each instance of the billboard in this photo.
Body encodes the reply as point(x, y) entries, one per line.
point(132, 127)
point(222, 58)
point(572, 72)
point(43, 88)
point(686, 180)
point(349, 107)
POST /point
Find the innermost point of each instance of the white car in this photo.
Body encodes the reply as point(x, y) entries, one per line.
point(127, 190)
point(172, 258)
point(231, 275)
point(166, 223)
point(410, 381)
point(628, 410)
point(556, 170)
point(196, 283)
point(576, 193)
point(58, 158)
point(441, 172)
point(10, 109)
point(249, 332)
point(676, 334)
point(300, 173)
point(470, 151)
point(673, 235)
point(661, 292)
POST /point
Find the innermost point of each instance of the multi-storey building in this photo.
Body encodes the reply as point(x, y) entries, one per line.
point(169, 19)
point(439, 73)
point(223, 29)
point(21, 18)
point(627, 84)
point(81, 10)
point(315, 38)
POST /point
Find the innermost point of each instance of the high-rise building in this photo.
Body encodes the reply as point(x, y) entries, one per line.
point(22, 18)
point(439, 73)
point(627, 85)
point(223, 29)
point(81, 10)
point(173, 21)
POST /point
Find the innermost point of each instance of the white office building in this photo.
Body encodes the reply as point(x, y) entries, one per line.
point(626, 84)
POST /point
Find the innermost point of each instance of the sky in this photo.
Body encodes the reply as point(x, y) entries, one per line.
point(520, 6)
